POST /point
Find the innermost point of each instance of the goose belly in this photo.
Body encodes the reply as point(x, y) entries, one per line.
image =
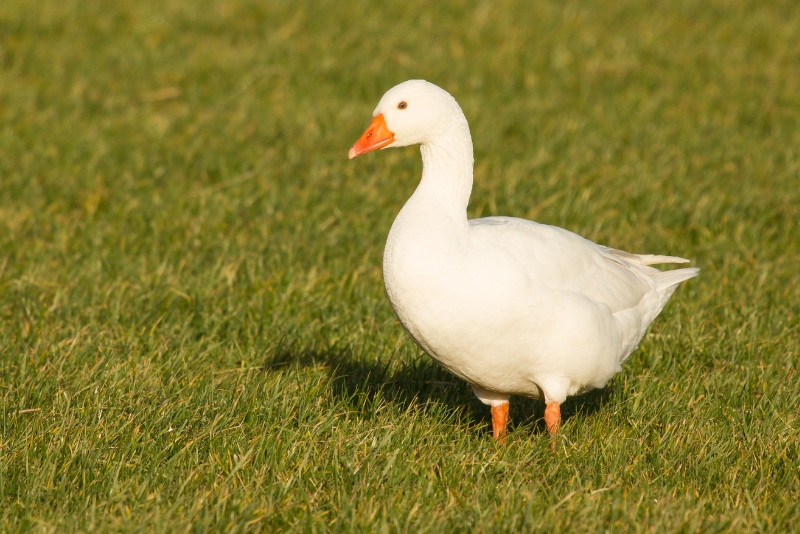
point(504, 333)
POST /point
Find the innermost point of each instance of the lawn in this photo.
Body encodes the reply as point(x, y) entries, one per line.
point(194, 333)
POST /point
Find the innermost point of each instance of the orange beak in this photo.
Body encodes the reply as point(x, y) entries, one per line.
point(376, 136)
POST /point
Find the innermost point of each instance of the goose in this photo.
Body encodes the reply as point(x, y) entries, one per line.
point(511, 306)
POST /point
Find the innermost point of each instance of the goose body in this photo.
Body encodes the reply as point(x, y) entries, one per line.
point(511, 306)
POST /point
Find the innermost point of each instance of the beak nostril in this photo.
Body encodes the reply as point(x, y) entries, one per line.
point(376, 136)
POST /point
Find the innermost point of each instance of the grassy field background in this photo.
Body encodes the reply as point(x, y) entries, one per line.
point(194, 333)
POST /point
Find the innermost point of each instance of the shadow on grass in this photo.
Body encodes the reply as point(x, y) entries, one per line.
point(418, 382)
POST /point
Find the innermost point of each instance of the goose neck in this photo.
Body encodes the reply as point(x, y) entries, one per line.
point(447, 172)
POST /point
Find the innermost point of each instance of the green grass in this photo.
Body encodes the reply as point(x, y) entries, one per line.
point(193, 328)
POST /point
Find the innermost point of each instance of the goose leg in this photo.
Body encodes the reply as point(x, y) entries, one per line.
point(499, 404)
point(499, 422)
point(552, 420)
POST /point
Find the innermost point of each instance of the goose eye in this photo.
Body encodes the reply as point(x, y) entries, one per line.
point(402, 105)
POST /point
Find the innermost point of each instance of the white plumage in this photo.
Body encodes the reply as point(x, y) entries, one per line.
point(509, 305)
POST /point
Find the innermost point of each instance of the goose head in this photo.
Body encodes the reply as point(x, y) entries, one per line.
point(415, 112)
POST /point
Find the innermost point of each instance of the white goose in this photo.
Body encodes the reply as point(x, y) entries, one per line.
point(509, 305)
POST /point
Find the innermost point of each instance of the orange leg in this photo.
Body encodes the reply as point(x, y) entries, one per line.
point(552, 420)
point(499, 421)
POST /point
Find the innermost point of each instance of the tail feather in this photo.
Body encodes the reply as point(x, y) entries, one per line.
point(644, 259)
point(653, 259)
point(668, 279)
point(664, 279)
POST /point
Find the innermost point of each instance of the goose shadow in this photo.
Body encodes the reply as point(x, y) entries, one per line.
point(421, 381)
